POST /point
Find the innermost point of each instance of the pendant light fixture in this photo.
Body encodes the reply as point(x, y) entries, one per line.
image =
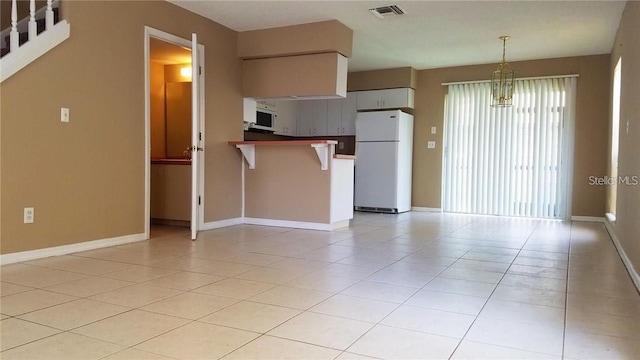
point(502, 81)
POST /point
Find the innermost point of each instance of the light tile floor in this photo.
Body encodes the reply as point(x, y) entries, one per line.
point(408, 286)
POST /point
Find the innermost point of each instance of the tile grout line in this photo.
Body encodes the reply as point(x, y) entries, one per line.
point(494, 289)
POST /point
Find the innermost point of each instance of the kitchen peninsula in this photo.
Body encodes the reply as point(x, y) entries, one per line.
point(297, 183)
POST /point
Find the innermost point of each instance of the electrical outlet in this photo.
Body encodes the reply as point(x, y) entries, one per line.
point(433, 130)
point(64, 115)
point(28, 215)
point(431, 144)
point(340, 145)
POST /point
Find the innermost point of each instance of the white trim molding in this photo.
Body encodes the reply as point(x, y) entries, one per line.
point(297, 224)
point(69, 249)
point(221, 223)
point(598, 219)
point(33, 49)
point(635, 276)
point(426, 209)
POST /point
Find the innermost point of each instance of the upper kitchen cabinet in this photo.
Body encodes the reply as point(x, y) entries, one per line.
point(290, 77)
point(312, 118)
point(386, 99)
point(341, 115)
point(276, 62)
point(286, 123)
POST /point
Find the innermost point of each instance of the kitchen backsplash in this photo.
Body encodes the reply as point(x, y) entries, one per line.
point(346, 144)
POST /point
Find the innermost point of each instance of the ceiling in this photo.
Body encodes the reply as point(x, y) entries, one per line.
point(435, 34)
point(167, 53)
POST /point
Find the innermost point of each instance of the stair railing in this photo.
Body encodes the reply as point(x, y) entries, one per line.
point(32, 37)
point(28, 24)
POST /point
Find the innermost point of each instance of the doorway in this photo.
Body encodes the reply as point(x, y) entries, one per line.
point(173, 131)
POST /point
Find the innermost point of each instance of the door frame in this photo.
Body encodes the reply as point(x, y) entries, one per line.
point(150, 32)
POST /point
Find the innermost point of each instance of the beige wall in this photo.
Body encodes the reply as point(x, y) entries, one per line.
point(86, 178)
point(592, 113)
point(383, 79)
point(627, 46)
point(313, 38)
point(172, 73)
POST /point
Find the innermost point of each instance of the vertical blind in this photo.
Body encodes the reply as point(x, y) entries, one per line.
point(513, 161)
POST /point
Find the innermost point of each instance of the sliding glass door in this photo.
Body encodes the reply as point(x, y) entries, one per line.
point(513, 161)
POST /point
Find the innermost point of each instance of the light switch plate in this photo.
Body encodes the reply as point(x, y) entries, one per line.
point(431, 144)
point(433, 130)
point(64, 115)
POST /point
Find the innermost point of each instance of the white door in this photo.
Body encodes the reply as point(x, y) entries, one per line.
point(349, 113)
point(395, 98)
point(334, 117)
point(305, 118)
point(378, 126)
point(376, 179)
point(196, 137)
point(368, 99)
point(319, 117)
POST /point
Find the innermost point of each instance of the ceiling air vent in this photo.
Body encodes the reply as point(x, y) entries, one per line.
point(387, 11)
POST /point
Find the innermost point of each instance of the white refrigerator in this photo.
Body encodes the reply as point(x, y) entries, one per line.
point(384, 150)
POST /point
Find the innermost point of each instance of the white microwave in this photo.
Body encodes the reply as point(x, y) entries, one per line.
point(266, 118)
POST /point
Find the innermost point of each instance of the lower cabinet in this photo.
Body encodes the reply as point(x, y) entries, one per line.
point(170, 192)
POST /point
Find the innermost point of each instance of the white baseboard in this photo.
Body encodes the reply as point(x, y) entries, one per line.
point(635, 276)
point(598, 219)
point(69, 249)
point(297, 224)
point(221, 223)
point(426, 209)
point(98, 244)
point(33, 49)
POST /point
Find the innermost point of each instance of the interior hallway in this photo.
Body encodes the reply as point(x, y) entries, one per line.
point(415, 285)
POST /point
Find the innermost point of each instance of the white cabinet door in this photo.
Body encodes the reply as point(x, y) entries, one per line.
point(386, 99)
point(368, 100)
point(305, 118)
point(319, 119)
point(334, 117)
point(249, 110)
point(287, 118)
point(396, 98)
point(349, 113)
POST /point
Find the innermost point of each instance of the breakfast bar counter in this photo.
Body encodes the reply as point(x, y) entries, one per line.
point(298, 184)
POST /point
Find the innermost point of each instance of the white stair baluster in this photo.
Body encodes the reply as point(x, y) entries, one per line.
point(14, 36)
point(49, 15)
point(33, 26)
